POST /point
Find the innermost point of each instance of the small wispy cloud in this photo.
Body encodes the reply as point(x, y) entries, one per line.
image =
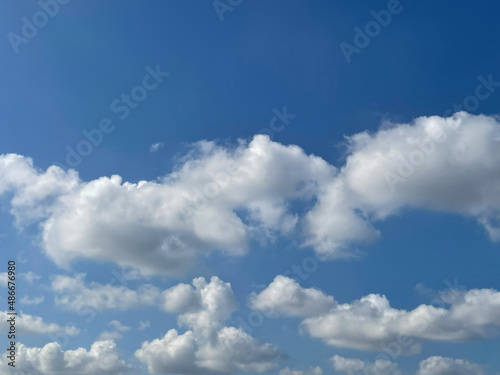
point(116, 333)
point(156, 146)
point(3, 279)
point(34, 301)
point(144, 324)
point(30, 276)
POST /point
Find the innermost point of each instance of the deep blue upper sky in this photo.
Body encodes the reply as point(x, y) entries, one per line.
point(225, 79)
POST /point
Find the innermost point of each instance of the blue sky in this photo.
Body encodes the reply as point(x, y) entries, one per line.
point(207, 78)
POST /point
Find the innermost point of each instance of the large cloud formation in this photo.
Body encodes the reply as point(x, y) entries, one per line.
point(370, 323)
point(207, 346)
point(221, 198)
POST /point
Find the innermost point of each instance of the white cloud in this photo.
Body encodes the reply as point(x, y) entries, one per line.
point(33, 325)
point(34, 193)
point(101, 359)
point(74, 295)
point(172, 354)
point(30, 276)
point(32, 301)
point(352, 366)
point(234, 350)
point(207, 345)
point(449, 366)
point(430, 366)
point(156, 146)
point(311, 371)
point(370, 323)
point(3, 279)
point(441, 164)
point(203, 307)
point(116, 333)
point(165, 224)
point(118, 326)
point(221, 199)
point(144, 324)
point(180, 298)
point(286, 297)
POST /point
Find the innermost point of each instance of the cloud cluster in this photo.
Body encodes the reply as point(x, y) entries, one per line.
point(353, 366)
point(202, 307)
point(370, 323)
point(223, 198)
point(430, 366)
point(101, 359)
point(207, 346)
point(74, 294)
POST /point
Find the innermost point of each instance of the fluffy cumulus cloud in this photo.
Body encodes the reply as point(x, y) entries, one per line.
point(223, 198)
point(160, 226)
point(101, 359)
point(310, 371)
point(207, 346)
point(449, 366)
point(443, 164)
point(27, 324)
point(370, 323)
point(285, 296)
point(352, 366)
